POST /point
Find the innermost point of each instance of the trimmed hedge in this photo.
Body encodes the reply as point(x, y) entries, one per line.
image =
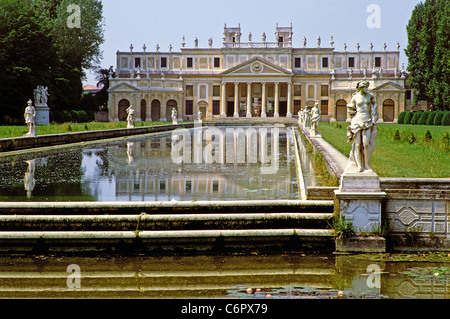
point(446, 119)
point(430, 119)
point(439, 117)
point(423, 118)
point(401, 117)
point(416, 117)
point(408, 117)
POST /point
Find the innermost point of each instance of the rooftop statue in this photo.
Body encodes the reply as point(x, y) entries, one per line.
point(363, 128)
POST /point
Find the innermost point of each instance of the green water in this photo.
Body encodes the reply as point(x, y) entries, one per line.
point(290, 276)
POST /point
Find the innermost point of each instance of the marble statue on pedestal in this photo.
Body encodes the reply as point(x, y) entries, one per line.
point(30, 116)
point(199, 117)
point(315, 118)
point(362, 131)
point(130, 117)
point(174, 116)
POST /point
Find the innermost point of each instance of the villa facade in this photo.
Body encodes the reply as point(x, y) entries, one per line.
point(244, 78)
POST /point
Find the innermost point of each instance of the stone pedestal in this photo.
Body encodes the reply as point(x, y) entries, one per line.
point(42, 115)
point(360, 199)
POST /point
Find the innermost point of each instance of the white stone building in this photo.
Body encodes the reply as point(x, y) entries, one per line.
point(248, 78)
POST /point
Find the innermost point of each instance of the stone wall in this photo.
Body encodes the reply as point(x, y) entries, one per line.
point(417, 210)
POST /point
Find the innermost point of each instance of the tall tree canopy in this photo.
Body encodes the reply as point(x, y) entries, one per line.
point(428, 54)
point(38, 46)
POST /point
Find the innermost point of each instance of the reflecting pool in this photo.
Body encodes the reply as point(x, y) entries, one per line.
point(200, 164)
point(289, 276)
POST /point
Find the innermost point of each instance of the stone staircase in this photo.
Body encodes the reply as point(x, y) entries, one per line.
point(153, 227)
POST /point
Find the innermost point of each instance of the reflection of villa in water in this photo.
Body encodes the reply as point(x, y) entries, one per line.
point(200, 164)
point(153, 173)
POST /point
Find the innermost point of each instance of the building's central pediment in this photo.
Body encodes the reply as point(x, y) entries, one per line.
point(123, 87)
point(256, 67)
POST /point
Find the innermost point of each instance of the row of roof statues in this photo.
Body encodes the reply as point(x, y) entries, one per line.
point(264, 38)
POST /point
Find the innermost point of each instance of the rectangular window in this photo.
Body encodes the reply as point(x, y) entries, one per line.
point(298, 62)
point(408, 94)
point(189, 107)
point(324, 90)
point(325, 62)
point(377, 62)
point(297, 90)
point(137, 63)
point(189, 90)
point(351, 62)
point(217, 62)
point(216, 90)
point(216, 107)
point(163, 62)
point(190, 63)
point(324, 107)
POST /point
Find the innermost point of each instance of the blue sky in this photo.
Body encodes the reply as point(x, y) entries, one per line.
point(165, 22)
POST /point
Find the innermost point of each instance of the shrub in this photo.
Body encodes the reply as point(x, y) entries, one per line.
point(416, 117)
point(446, 141)
point(412, 139)
point(428, 136)
point(409, 117)
point(397, 135)
point(401, 117)
point(438, 118)
point(430, 119)
point(446, 119)
point(423, 118)
point(67, 116)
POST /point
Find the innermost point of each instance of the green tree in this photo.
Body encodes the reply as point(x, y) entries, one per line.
point(39, 47)
point(428, 33)
point(27, 55)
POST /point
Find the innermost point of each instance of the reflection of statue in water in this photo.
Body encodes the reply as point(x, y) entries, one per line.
point(315, 118)
point(29, 181)
point(363, 128)
point(30, 117)
point(130, 117)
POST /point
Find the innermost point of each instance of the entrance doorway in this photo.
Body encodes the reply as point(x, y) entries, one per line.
point(230, 109)
point(155, 113)
point(171, 104)
point(388, 110)
point(341, 110)
point(123, 105)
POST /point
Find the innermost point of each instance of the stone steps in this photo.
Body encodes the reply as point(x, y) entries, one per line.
point(162, 227)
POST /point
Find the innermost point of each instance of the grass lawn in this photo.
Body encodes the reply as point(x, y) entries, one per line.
point(17, 131)
point(398, 157)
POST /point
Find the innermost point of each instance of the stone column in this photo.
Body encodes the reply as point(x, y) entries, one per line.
point(249, 99)
point(264, 100)
point(277, 100)
point(223, 100)
point(289, 100)
point(236, 100)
